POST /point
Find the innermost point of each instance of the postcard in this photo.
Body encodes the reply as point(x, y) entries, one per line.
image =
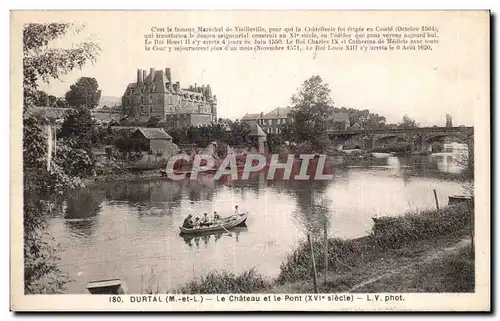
point(250, 160)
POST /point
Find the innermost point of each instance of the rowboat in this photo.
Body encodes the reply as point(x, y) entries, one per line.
point(206, 237)
point(454, 199)
point(223, 225)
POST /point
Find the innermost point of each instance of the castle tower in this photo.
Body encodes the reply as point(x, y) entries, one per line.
point(140, 76)
point(213, 107)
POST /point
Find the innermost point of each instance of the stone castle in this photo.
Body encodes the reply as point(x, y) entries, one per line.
point(156, 95)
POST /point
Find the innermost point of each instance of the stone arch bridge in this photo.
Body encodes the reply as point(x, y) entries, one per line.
point(420, 137)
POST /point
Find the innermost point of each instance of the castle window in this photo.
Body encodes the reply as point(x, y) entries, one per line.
point(150, 109)
point(142, 109)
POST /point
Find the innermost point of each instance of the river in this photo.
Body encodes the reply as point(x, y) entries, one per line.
point(129, 230)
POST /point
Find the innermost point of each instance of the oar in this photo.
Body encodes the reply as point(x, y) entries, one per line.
point(230, 234)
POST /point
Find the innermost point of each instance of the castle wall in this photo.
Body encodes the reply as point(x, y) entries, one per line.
point(156, 95)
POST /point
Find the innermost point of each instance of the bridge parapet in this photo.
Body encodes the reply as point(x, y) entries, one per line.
point(468, 130)
point(420, 136)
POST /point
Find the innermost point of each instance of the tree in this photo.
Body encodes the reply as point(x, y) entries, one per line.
point(313, 93)
point(239, 134)
point(225, 121)
point(449, 122)
point(85, 92)
point(79, 132)
point(43, 183)
point(312, 108)
point(407, 122)
point(52, 101)
point(41, 99)
point(61, 103)
point(42, 63)
point(364, 118)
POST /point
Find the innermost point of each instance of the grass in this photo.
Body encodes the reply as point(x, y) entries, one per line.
point(451, 273)
point(227, 282)
point(425, 251)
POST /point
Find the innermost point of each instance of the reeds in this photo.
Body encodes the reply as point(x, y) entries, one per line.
point(216, 282)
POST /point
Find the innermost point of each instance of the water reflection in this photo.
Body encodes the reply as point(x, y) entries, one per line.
point(82, 208)
point(214, 237)
point(83, 203)
point(446, 162)
point(120, 228)
point(312, 214)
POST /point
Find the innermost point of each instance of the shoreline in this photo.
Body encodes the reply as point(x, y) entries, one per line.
point(146, 175)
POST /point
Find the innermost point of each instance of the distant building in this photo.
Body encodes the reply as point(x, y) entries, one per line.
point(272, 121)
point(339, 121)
point(258, 135)
point(156, 139)
point(356, 126)
point(156, 95)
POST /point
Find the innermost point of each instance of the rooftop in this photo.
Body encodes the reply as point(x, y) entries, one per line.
point(341, 116)
point(149, 133)
point(250, 117)
point(280, 112)
point(255, 130)
point(154, 133)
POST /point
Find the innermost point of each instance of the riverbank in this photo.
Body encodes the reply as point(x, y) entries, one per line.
point(429, 251)
point(124, 177)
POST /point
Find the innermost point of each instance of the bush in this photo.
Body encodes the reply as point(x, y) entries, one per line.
point(396, 232)
point(227, 282)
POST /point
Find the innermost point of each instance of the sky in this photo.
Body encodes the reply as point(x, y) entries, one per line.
point(453, 78)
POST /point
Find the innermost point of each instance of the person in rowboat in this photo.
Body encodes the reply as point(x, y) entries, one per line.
point(216, 216)
point(205, 221)
point(197, 222)
point(188, 222)
point(236, 212)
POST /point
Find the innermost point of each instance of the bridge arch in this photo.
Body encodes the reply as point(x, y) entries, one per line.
point(379, 139)
point(429, 139)
point(420, 137)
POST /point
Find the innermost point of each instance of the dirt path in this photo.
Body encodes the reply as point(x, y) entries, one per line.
point(429, 257)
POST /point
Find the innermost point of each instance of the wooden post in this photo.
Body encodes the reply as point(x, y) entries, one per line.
point(315, 276)
point(326, 251)
point(436, 198)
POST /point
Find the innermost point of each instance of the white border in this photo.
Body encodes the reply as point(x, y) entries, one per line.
point(257, 4)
